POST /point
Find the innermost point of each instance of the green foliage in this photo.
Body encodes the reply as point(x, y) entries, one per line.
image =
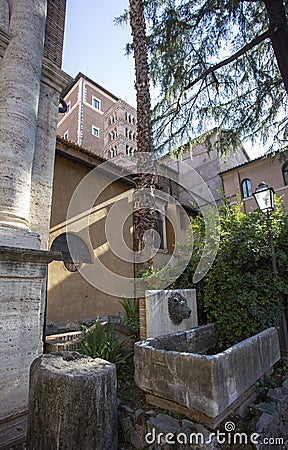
point(262, 387)
point(99, 342)
point(239, 292)
point(131, 317)
point(282, 368)
point(188, 42)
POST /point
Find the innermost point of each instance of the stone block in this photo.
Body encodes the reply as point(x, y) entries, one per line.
point(162, 431)
point(72, 403)
point(265, 407)
point(158, 321)
point(22, 279)
point(171, 368)
point(268, 426)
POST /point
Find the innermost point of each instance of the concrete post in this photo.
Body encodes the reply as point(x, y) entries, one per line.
point(72, 403)
point(19, 93)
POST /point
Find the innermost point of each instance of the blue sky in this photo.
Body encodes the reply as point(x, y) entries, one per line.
point(95, 46)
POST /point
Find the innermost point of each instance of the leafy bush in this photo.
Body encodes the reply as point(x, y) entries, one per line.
point(99, 342)
point(131, 317)
point(239, 292)
point(262, 387)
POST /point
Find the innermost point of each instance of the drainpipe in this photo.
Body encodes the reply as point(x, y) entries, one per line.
point(80, 112)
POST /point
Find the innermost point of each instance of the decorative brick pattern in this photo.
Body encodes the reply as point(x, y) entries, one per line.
point(54, 33)
point(142, 319)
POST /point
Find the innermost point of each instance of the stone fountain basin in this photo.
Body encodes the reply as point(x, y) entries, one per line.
point(176, 375)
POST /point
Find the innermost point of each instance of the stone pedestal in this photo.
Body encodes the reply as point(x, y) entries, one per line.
point(22, 280)
point(30, 86)
point(72, 403)
point(157, 321)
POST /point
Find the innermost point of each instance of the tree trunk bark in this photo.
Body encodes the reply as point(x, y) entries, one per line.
point(279, 35)
point(144, 203)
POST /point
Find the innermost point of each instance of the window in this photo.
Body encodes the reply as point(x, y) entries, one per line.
point(285, 173)
point(96, 103)
point(129, 150)
point(113, 135)
point(113, 152)
point(128, 134)
point(113, 118)
point(129, 118)
point(66, 135)
point(158, 226)
point(73, 251)
point(95, 131)
point(246, 188)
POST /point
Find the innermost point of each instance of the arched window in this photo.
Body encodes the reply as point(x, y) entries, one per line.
point(246, 188)
point(285, 173)
point(113, 152)
point(73, 250)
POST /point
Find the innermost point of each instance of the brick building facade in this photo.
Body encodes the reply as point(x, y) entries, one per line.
point(98, 120)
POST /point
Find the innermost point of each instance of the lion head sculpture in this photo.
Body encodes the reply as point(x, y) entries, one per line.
point(178, 308)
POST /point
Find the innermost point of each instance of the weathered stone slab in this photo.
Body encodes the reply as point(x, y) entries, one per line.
point(22, 282)
point(72, 403)
point(173, 369)
point(158, 321)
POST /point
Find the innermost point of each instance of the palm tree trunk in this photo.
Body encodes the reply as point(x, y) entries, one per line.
point(144, 203)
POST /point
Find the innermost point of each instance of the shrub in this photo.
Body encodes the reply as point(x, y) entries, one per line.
point(240, 292)
point(99, 342)
point(131, 317)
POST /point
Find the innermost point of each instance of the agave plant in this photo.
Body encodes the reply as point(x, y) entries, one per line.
point(99, 342)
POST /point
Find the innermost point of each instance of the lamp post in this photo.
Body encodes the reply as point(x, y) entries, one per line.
point(264, 197)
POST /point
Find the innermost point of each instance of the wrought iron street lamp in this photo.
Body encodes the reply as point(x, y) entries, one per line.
point(264, 197)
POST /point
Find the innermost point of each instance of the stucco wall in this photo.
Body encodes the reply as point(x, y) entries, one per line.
point(70, 296)
point(267, 169)
point(208, 163)
point(69, 122)
point(82, 115)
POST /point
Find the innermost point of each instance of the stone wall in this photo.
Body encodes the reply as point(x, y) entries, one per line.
point(30, 88)
point(22, 281)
